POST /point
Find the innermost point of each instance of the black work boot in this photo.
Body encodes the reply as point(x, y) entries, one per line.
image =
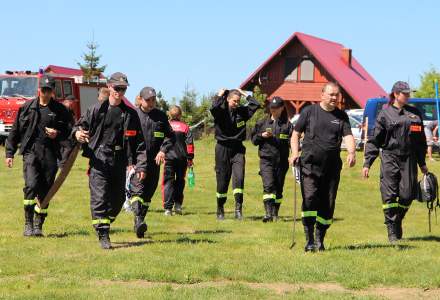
point(238, 210)
point(104, 238)
point(28, 220)
point(268, 210)
point(220, 209)
point(399, 230)
point(392, 236)
point(140, 227)
point(178, 208)
point(319, 238)
point(276, 209)
point(38, 224)
point(310, 241)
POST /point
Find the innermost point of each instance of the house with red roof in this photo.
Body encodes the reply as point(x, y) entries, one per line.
point(298, 69)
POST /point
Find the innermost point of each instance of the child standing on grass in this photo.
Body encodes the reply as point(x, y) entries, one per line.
point(177, 159)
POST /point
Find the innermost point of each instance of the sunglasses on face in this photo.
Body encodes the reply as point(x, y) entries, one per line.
point(120, 89)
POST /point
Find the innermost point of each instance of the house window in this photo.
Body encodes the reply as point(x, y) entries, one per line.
point(307, 69)
point(58, 90)
point(67, 88)
point(291, 69)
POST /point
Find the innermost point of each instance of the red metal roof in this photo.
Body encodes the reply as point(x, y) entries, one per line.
point(63, 70)
point(354, 79)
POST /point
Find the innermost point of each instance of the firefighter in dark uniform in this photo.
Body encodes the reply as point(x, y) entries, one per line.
point(68, 145)
point(272, 136)
point(399, 134)
point(112, 137)
point(39, 128)
point(176, 162)
point(324, 126)
point(158, 138)
point(230, 130)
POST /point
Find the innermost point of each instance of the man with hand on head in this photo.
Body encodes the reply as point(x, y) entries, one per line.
point(230, 119)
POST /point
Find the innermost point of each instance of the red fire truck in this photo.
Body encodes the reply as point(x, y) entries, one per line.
point(17, 87)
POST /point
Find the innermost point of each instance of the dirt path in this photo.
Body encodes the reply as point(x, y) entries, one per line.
point(392, 293)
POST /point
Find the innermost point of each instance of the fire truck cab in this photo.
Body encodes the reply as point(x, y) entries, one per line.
point(18, 87)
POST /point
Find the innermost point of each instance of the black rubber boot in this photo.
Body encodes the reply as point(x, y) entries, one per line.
point(104, 238)
point(38, 224)
point(140, 227)
point(319, 238)
point(268, 210)
point(28, 220)
point(392, 236)
point(178, 208)
point(276, 209)
point(238, 210)
point(399, 230)
point(221, 209)
point(310, 240)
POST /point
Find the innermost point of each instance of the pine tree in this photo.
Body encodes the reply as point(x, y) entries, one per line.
point(162, 104)
point(90, 67)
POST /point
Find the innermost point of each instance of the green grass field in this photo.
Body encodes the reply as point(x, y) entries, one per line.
point(194, 256)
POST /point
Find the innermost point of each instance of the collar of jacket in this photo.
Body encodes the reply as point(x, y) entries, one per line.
point(400, 111)
point(36, 101)
point(105, 105)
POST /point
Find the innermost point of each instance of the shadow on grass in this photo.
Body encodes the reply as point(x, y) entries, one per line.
point(185, 213)
point(428, 238)
point(69, 233)
point(372, 246)
point(284, 218)
point(217, 231)
point(180, 240)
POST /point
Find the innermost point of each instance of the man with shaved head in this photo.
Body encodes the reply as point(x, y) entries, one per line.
point(324, 126)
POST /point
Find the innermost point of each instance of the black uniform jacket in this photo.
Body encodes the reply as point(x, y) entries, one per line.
point(157, 132)
point(230, 126)
point(24, 127)
point(133, 142)
point(397, 131)
point(276, 146)
point(184, 144)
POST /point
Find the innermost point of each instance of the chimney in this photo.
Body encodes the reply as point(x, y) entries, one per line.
point(346, 56)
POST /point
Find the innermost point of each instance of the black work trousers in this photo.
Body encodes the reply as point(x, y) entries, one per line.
point(173, 183)
point(143, 191)
point(107, 186)
point(398, 184)
point(39, 171)
point(273, 173)
point(319, 193)
point(230, 161)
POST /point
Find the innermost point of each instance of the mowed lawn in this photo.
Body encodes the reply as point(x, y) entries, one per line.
point(195, 256)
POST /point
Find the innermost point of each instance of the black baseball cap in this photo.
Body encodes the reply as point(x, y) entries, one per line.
point(47, 82)
point(401, 87)
point(118, 79)
point(276, 102)
point(147, 92)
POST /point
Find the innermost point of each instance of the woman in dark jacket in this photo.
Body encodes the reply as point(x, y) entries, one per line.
point(399, 133)
point(272, 136)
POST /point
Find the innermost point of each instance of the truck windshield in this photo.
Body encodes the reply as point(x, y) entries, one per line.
point(18, 87)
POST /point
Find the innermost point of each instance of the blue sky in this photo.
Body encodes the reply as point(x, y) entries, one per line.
point(213, 44)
